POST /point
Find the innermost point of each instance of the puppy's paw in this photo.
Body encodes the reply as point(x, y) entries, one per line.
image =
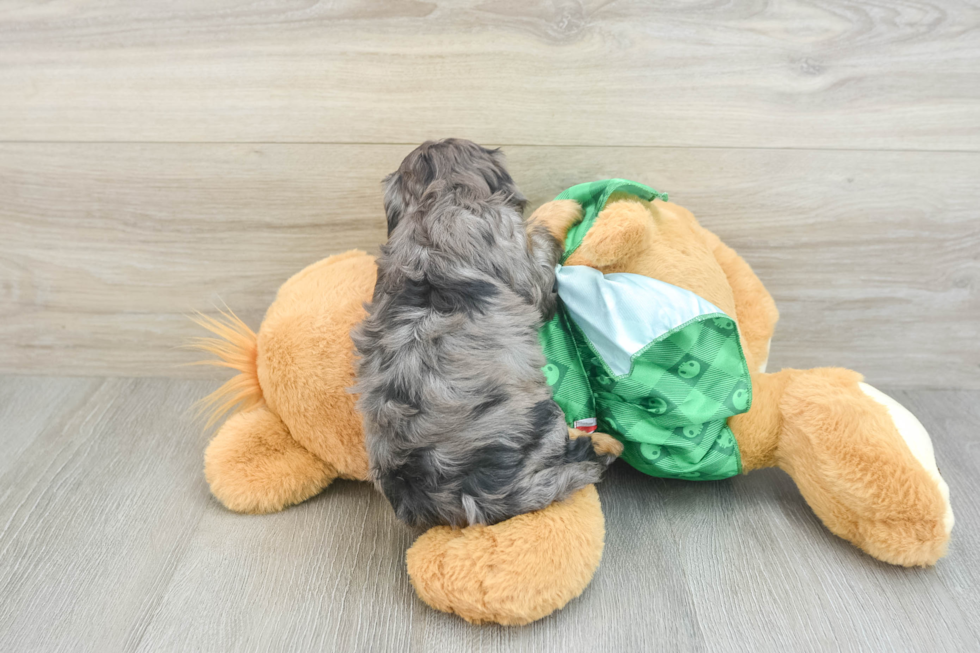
point(602, 443)
point(558, 217)
point(606, 445)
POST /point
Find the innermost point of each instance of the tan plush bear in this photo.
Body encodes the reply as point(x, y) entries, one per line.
point(862, 462)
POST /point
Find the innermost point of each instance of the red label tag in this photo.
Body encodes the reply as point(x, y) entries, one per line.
point(587, 425)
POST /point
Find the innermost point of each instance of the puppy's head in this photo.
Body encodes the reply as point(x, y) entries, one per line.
point(453, 163)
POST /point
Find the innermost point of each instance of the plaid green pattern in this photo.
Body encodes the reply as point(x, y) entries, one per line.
point(565, 372)
point(671, 410)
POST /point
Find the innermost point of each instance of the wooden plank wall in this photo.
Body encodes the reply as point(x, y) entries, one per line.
point(161, 159)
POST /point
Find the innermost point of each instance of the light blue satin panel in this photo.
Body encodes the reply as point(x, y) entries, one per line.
point(622, 313)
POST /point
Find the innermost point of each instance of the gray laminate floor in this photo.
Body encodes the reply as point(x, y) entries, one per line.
point(110, 541)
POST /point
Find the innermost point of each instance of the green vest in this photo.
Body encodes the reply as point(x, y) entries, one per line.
point(651, 364)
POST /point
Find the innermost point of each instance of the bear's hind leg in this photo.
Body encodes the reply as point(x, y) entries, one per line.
point(254, 465)
point(850, 450)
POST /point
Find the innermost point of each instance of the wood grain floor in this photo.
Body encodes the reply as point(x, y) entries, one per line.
point(109, 541)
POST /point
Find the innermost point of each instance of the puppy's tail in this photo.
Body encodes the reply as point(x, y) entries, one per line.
point(236, 347)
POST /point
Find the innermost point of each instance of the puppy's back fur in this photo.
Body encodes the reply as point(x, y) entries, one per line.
point(460, 425)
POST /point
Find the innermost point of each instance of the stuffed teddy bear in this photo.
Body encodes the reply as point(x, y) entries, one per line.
point(862, 462)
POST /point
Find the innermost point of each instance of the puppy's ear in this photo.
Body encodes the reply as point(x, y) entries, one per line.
point(501, 182)
point(394, 197)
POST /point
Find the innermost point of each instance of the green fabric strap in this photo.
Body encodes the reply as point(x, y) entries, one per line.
point(671, 410)
point(593, 196)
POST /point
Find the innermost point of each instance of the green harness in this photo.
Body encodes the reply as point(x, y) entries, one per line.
point(651, 364)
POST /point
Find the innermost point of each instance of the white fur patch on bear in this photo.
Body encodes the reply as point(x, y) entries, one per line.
point(918, 441)
point(765, 361)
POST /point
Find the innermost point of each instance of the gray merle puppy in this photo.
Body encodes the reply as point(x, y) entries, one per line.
point(460, 426)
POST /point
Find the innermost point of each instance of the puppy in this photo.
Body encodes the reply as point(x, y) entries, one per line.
point(460, 426)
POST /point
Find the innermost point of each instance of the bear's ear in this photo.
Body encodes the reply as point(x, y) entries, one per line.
point(617, 237)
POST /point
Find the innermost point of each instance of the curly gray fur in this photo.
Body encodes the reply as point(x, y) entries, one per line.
point(460, 425)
